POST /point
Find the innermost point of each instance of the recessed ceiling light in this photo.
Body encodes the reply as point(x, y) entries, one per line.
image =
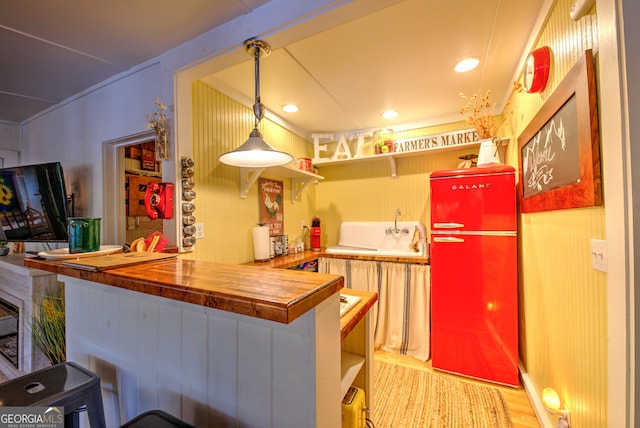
point(466, 64)
point(290, 108)
point(390, 114)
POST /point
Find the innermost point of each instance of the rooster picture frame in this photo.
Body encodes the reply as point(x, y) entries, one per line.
point(271, 206)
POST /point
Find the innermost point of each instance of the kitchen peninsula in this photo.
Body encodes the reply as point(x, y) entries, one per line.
point(214, 344)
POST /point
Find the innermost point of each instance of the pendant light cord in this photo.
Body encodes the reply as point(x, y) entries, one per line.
point(258, 107)
point(256, 152)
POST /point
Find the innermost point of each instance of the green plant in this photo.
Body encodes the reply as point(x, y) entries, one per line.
point(48, 327)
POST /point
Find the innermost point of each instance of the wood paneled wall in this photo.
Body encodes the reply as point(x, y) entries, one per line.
point(563, 300)
point(365, 191)
point(563, 319)
point(221, 124)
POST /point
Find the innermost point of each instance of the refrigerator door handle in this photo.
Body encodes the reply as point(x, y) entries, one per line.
point(448, 225)
point(447, 239)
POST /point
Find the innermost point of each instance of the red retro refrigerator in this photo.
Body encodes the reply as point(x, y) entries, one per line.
point(474, 303)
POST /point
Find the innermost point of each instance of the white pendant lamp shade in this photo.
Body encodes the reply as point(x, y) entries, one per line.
point(256, 152)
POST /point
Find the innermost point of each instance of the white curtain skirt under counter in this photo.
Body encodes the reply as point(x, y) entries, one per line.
point(401, 315)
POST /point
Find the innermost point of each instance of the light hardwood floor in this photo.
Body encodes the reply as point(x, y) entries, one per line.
point(518, 405)
point(520, 410)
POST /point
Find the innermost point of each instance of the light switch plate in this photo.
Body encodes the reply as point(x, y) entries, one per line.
point(599, 254)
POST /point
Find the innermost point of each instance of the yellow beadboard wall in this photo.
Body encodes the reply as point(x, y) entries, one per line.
point(563, 319)
point(220, 124)
point(365, 190)
point(563, 300)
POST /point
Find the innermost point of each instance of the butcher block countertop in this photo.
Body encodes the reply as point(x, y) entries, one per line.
point(289, 260)
point(349, 320)
point(272, 294)
point(413, 260)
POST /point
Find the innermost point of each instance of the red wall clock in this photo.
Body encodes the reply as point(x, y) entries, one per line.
point(536, 69)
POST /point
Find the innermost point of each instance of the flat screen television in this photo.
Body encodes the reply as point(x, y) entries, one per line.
point(33, 203)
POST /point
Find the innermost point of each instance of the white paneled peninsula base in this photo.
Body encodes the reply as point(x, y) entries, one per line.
point(216, 345)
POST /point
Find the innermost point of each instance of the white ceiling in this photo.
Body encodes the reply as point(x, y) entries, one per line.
point(401, 57)
point(52, 50)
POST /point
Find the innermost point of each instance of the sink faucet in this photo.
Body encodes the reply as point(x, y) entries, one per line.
point(395, 229)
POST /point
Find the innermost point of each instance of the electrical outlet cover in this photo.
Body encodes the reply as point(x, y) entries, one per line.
point(599, 254)
point(199, 230)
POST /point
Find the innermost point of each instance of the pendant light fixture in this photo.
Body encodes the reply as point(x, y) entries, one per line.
point(256, 152)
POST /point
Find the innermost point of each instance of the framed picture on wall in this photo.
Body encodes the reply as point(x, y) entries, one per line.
point(559, 151)
point(270, 197)
point(148, 164)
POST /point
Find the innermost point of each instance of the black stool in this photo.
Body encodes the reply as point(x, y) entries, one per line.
point(156, 419)
point(66, 384)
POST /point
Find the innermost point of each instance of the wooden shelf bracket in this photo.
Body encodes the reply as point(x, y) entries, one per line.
point(299, 179)
point(248, 177)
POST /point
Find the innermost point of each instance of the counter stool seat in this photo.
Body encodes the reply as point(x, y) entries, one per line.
point(65, 385)
point(156, 419)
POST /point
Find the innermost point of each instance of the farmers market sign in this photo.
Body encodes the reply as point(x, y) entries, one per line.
point(353, 146)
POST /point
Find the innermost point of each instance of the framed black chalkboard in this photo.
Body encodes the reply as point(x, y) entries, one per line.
point(560, 150)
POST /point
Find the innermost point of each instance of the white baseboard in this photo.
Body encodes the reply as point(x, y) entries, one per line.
point(535, 400)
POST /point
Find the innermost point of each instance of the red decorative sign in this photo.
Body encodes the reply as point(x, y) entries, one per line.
point(270, 198)
point(148, 164)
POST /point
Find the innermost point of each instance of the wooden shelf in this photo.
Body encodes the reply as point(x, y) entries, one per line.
point(143, 173)
point(351, 365)
point(391, 157)
point(299, 179)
